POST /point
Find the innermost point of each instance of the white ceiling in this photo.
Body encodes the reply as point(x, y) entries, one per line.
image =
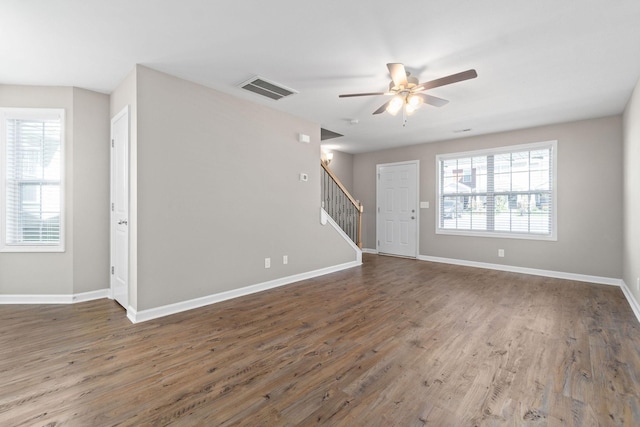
point(538, 62)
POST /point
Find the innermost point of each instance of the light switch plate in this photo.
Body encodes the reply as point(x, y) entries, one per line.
point(424, 205)
point(304, 138)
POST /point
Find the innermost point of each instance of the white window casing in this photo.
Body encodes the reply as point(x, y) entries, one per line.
point(508, 192)
point(32, 165)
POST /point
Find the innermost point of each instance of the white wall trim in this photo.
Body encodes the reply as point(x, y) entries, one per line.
point(54, 299)
point(525, 270)
point(370, 251)
point(632, 301)
point(132, 315)
point(635, 306)
point(326, 218)
point(92, 295)
point(154, 313)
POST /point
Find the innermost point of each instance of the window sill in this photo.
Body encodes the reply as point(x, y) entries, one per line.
point(32, 249)
point(497, 234)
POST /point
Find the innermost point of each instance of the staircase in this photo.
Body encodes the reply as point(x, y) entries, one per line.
point(341, 206)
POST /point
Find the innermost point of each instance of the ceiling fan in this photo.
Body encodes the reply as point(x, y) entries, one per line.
point(406, 91)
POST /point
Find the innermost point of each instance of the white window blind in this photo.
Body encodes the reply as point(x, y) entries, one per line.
point(505, 192)
point(32, 170)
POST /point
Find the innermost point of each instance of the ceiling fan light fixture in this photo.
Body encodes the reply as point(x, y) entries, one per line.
point(395, 105)
point(414, 101)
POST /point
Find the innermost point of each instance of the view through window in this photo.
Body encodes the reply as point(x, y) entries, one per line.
point(505, 192)
point(32, 172)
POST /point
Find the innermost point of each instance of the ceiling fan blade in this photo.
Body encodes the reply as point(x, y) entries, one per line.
point(453, 78)
point(349, 95)
point(431, 100)
point(398, 74)
point(383, 107)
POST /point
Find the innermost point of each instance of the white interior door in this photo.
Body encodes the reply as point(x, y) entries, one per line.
point(120, 207)
point(397, 213)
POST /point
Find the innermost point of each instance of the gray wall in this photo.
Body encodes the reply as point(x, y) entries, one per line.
point(218, 192)
point(631, 253)
point(90, 184)
point(589, 200)
point(214, 191)
point(83, 266)
point(342, 167)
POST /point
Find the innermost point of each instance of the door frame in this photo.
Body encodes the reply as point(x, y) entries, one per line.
point(112, 231)
point(417, 233)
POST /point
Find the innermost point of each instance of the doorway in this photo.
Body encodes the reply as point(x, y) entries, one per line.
point(120, 208)
point(397, 208)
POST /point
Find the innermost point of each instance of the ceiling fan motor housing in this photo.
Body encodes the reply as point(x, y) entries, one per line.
point(411, 83)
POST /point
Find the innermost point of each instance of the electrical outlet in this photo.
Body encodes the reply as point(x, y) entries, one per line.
point(501, 253)
point(285, 259)
point(267, 263)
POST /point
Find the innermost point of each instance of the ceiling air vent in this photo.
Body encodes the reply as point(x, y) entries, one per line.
point(266, 88)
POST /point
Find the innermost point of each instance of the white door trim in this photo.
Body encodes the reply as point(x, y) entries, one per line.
point(417, 207)
point(123, 300)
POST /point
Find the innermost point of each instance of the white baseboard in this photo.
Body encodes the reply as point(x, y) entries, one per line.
point(136, 317)
point(166, 310)
point(546, 273)
point(525, 270)
point(132, 314)
point(326, 218)
point(54, 299)
point(93, 295)
point(632, 301)
point(143, 315)
point(154, 313)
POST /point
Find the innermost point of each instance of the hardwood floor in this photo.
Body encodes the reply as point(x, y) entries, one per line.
point(396, 342)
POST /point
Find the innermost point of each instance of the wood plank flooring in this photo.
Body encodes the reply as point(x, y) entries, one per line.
point(395, 342)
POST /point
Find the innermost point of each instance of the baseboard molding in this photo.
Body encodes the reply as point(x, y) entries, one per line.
point(369, 251)
point(154, 313)
point(131, 314)
point(54, 299)
point(632, 301)
point(525, 270)
point(546, 273)
point(326, 218)
point(144, 315)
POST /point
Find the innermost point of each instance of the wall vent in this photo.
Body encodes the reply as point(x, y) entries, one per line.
point(267, 88)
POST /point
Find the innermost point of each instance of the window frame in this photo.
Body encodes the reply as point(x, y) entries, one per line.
point(35, 114)
point(553, 234)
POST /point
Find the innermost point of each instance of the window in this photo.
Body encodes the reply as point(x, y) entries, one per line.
point(32, 180)
point(504, 192)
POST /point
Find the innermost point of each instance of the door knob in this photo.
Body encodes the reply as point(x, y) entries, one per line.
point(413, 217)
